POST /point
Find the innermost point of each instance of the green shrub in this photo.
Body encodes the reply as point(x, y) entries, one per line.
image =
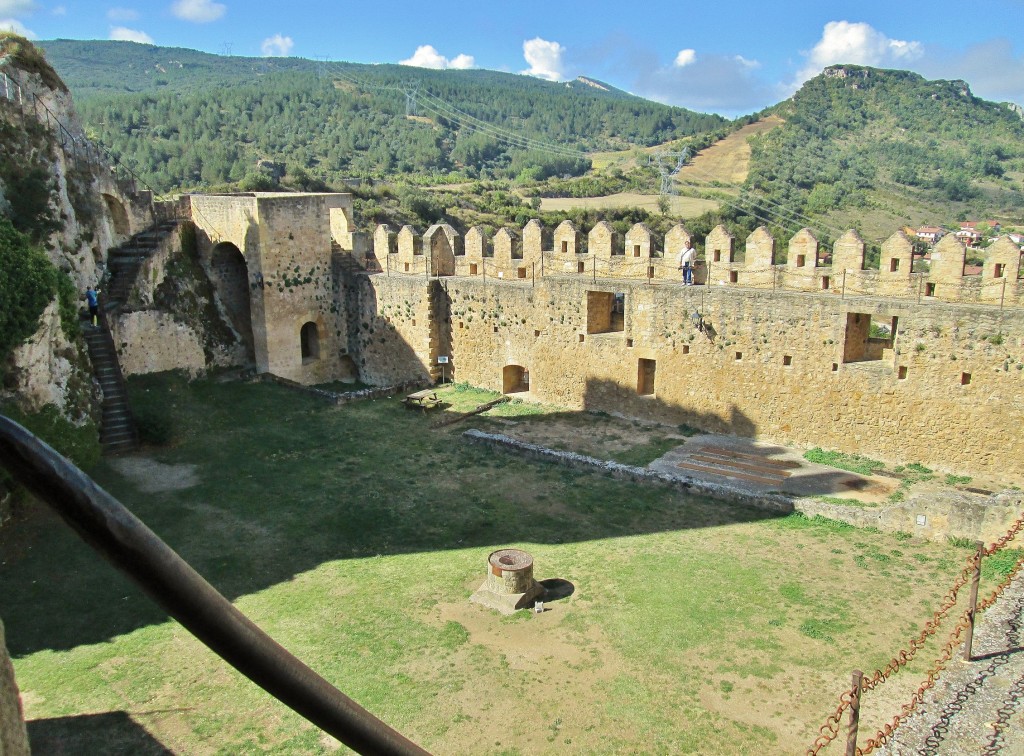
point(154, 426)
point(852, 462)
point(28, 282)
point(79, 443)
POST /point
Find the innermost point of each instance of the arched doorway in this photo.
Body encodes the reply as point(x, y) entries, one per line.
point(309, 340)
point(118, 215)
point(515, 379)
point(230, 276)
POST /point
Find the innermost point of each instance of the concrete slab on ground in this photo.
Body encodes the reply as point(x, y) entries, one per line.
point(760, 467)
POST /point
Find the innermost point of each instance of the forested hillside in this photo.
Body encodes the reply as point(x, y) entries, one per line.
point(189, 119)
point(854, 135)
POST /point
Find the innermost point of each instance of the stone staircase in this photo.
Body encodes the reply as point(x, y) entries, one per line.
point(123, 263)
point(117, 428)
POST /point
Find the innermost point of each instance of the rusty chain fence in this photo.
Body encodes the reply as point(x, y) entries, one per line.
point(962, 631)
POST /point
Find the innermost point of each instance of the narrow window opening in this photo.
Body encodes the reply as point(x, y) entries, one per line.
point(636, 250)
point(801, 261)
point(472, 269)
point(929, 290)
point(734, 276)
point(645, 374)
point(894, 265)
point(407, 267)
point(835, 367)
point(718, 255)
point(825, 282)
point(629, 342)
point(565, 248)
point(686, 348)
point(739, 356)
point(580, 267)
point(965, 379)
point(309, 341)
point(650, 271)
point(536, 334)
point(521, 272)
point(495, 329)
point(581, 338)
point(902, 373)
point(787, 360)
point(1000, 270)
point(414, 321)
point(461, 324)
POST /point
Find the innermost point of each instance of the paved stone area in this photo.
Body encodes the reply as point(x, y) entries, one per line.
point(760, 467)
point(976, 707)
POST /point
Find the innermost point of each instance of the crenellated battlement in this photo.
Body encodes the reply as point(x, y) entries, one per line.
point(603, 252)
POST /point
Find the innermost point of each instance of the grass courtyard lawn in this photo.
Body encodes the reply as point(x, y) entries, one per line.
point(355, 535)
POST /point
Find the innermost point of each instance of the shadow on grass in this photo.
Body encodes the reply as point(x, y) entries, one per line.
point(287, 483)
point(111, 733)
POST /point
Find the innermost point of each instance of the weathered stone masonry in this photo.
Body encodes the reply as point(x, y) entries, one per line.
point(787, 351)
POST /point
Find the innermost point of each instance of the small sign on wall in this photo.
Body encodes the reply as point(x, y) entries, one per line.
point(442, 359)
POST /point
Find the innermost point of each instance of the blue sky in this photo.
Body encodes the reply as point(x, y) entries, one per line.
point(733, 59)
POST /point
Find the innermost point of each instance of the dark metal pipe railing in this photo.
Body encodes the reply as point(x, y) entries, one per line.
point(124, 540)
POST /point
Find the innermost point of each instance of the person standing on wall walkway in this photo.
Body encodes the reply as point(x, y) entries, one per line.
point(686, 258)
point(94, 305)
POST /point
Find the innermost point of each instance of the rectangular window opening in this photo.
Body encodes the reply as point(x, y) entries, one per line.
point(629, 343)
point(414, 322)
point(825, 282)
point(495, 329)
point(901, 373)
point(407, 267)
point(868, 337)
point(536, 334)
point(606, 312)
point(636, 250)
point(472, 269)
point(1000, 270)
point(734, 276)
point(580, 267)
point(787, 360)
point(718, 255)
point(565, 248)
point(894, 265)
point(582, 337)
point(929, 290)
point(801, 261)
point(645, 373)
point(650, 271)
point(965, 379)
point(835, 367)
point(521, 272)
point(739, 356)
point(686, 348)
point(461, 324)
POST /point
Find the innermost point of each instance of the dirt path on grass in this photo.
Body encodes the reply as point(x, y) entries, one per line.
point(150, 476)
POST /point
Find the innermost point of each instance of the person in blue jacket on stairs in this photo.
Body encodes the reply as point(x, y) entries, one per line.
point(93, 301)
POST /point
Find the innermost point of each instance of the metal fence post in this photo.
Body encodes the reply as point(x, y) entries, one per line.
point(972, 607)
point(851, 734)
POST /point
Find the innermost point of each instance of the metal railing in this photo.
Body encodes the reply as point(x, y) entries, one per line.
point(125, 541)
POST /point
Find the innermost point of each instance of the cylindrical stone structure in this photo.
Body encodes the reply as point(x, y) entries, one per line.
point(509, 571)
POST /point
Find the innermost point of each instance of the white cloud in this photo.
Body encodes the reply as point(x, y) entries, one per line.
point(120, 15)
point(198, 11)
point(16, 7)
point(13, 25)
point(277, 46)
point(59, 10)
point(746, 62)
point(685, 57)
point(544, 57)
point(124, 34)
point(427, 56)
point(857, 43)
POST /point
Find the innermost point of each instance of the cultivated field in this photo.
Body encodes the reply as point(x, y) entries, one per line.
point(355, 536)
point(681, 207)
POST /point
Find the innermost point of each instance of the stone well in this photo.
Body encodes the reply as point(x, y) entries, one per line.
point(509, 584)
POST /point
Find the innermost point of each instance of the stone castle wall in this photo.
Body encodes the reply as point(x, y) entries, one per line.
point(599, 321)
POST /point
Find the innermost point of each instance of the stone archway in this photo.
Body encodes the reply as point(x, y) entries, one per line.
point(230, 276)
point(515, 379)
point(118, 215)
